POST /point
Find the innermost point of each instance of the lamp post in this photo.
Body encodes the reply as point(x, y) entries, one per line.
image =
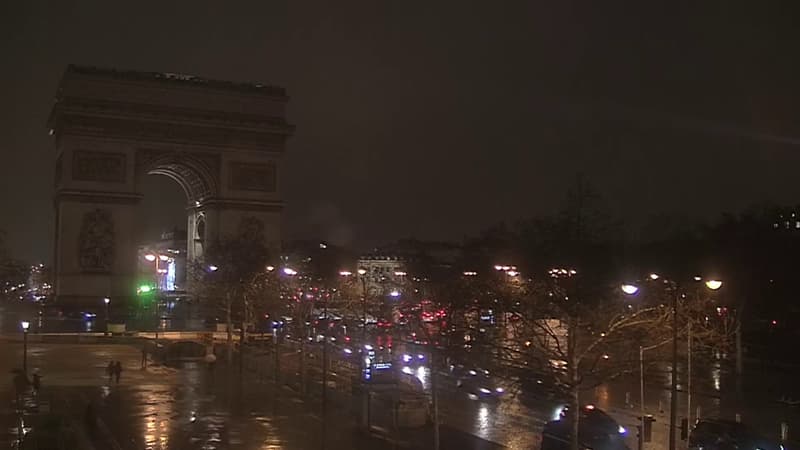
point(361, 275)
point(631, 289)
point(25, 325)
point(325, 369)
point(106, 301)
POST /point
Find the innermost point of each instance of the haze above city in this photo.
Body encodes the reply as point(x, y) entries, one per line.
point(437, 120)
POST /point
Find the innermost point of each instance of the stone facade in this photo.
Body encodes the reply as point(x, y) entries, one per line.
point(221, 142)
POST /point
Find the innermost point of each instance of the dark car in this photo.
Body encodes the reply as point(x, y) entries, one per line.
point(596, 430)
point(477, 383)
point(716, 434)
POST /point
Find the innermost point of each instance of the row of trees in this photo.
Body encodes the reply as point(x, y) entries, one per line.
point(560, 315)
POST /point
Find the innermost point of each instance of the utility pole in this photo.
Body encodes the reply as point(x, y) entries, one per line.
point(641, 397)
point(673, 398)
point(689, 374)
point(435, 398)
point(325, 373)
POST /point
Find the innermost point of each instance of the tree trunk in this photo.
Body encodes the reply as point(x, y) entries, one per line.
point(229, 327)
point(303, 365)
point(574, 388)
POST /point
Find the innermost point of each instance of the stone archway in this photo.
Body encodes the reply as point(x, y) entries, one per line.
point(222, 142)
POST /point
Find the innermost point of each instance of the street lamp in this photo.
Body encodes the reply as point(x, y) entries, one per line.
point(106, 300)
point(631, 289)
point(25, 325)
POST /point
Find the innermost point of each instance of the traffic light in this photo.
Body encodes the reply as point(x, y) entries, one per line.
point(646, 429)
point(684, 428)
point(144, 289)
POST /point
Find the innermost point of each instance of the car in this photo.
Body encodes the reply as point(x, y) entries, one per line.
point(477, 383)
point(718, 434)
point(596, 430)
point(533, 390)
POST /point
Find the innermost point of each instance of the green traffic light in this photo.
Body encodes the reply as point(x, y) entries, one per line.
point(144, 289)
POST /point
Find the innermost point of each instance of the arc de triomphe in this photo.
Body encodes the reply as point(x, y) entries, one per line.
point(222, 142)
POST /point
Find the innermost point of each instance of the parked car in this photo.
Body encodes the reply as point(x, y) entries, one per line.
point(717, 434)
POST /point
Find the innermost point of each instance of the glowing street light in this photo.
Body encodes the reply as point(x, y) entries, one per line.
point(394, 294)
point(629, 289)
point(163, 257)
point(470, 273)
point(270, 268)
point(213, 268)
point(289, 271)
point(713, 284)
point(654, 276)
point(345, 273)
point(106, 301)
point(362, 271)
point(150, 257)
point(25, 325)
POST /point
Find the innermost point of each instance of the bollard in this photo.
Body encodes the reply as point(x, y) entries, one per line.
point(784, 431)
point(738, 418)
point(697, 416)
point(628, 399)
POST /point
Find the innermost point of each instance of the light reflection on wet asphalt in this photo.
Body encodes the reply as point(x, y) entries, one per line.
point(153, 409)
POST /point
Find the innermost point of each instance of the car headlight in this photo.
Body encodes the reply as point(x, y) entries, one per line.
point(485, 391)
point(500, 390)
point(622, 430)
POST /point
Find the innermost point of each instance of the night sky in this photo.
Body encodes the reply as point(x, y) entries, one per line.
point(436, 119)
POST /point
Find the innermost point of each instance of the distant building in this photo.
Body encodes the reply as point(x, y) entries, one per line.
point(787, 219)
point(424, 259)
point(162, 263)
point(382, 272)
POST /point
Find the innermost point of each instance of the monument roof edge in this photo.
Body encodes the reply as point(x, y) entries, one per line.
point(176, 79)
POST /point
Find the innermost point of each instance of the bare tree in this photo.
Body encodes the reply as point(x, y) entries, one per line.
point(224, 277)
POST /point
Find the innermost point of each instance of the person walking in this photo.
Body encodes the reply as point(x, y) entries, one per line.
point(117, 371)
point(90, 419)
point(144, 356)
point(110, 369)
point(37, 380)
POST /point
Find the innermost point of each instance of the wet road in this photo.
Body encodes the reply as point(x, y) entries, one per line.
point(160, 407)
point(190, 408)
